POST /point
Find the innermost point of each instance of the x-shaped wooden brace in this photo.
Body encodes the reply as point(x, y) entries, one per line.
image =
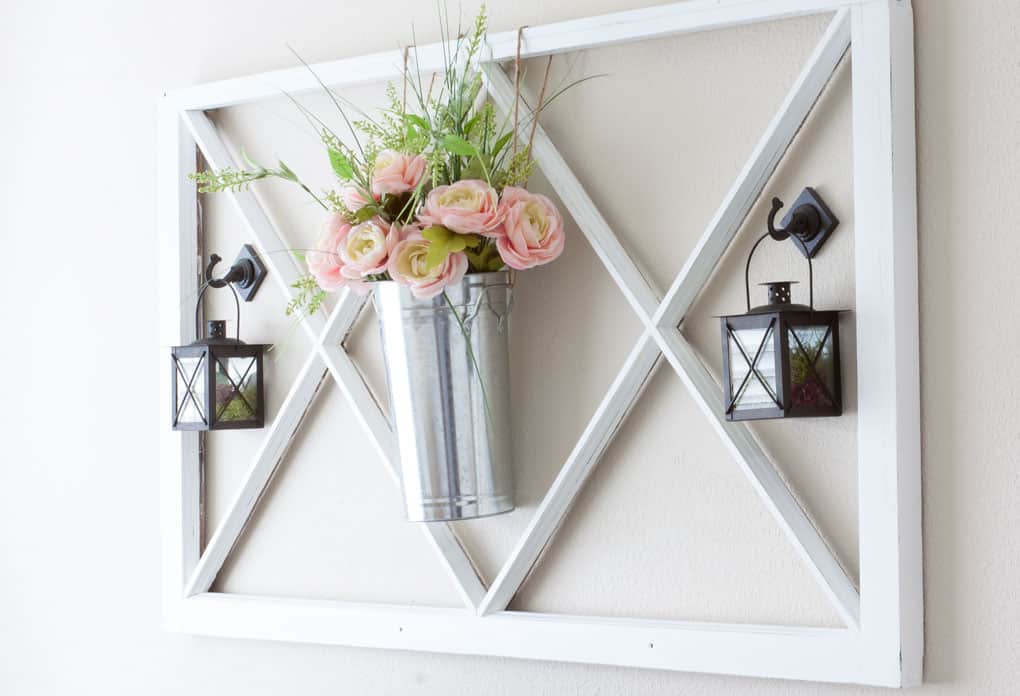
point(327, 357)
point(660, 336)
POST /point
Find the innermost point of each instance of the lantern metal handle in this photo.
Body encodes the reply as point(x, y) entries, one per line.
point(794, 231)
point(226, 281)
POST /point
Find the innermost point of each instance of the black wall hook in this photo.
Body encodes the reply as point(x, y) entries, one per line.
point(246, 273)
point(810, 221)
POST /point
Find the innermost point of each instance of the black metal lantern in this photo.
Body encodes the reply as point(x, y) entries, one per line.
point(781, 360)
point(218, 381)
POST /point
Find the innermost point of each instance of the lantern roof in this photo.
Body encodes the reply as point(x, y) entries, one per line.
point(216, 335)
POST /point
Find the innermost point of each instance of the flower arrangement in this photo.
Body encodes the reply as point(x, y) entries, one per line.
point(428, 192)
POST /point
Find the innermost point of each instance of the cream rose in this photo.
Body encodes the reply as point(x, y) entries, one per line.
point(365, 248)
point(408, 266)
point(466, 207)
point(532, 229)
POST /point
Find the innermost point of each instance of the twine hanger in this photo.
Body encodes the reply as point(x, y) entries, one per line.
point(404, 100)
point(517, 81)
point(517, 93)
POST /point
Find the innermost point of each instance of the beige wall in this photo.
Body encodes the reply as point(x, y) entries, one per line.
point(79, 500)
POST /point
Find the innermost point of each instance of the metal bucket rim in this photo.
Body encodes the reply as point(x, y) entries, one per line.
point(505, 273)
point(473, 284)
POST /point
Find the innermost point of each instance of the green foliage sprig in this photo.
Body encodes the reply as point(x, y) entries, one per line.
point(226, 179)
point(309, 298)
point(230, 179)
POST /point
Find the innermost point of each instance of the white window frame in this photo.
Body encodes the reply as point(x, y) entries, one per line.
point(882, 641)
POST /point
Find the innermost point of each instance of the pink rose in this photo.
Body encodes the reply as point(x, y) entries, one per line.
point(468, 207)
point(353, 197)
point(408, 266)
point(325, 262)
point(533, 229)
point(365, 248)
point(396, 173)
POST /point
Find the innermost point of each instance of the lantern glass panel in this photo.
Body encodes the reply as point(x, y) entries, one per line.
point(236, 388)
point(191, 383)
point(812, 366)
point(759, 390)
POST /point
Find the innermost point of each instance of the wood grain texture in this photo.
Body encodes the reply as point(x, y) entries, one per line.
point(559, 37)
point(786, 652)
point(888, 389)
point(180, 463)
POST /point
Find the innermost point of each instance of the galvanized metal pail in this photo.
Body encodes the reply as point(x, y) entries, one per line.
point(449, 387)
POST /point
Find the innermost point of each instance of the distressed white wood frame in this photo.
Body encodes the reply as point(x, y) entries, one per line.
point(882, 641)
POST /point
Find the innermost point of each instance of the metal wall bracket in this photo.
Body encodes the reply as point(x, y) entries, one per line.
point(809, 219)
point(246, 273)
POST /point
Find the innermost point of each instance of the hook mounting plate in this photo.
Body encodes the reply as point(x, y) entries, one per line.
point(254, 272)
point(827, 221)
